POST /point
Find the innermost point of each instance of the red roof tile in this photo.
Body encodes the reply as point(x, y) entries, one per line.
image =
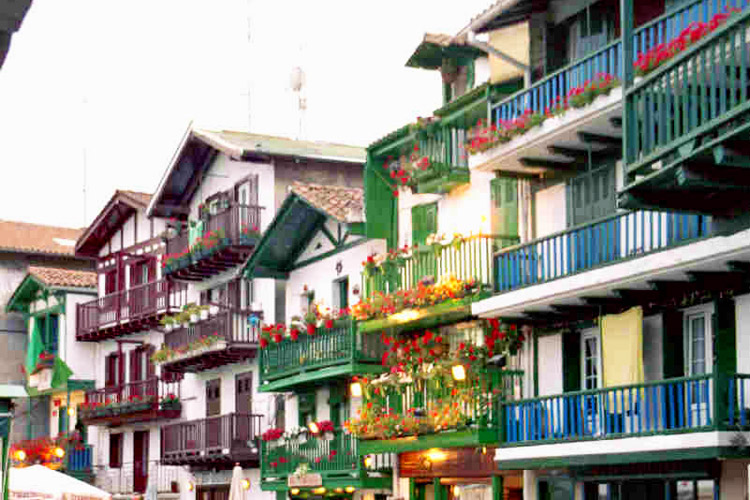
point(64, 277)
point(36, 238)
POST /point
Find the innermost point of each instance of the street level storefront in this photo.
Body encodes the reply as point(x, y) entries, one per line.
point(458, 473)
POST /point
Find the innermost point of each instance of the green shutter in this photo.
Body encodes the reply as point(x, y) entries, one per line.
point(504, 216)
point(571, 341)
point(380, 204)
point(62, 420)
point(305, 407)
point(423, 222)
point(591, 196)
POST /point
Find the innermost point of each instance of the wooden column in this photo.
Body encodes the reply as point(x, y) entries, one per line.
point(498, 488)
point(725, 356)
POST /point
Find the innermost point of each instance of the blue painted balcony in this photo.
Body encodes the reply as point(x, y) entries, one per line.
point(558, 143)
point(610, 240)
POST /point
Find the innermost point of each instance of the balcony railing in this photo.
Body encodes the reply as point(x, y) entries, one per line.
point(688, 97)
point(127, 311)
point(449, 165)
point(234, 337)
point(472, 258)
point(337, 455)
point(327, 347)
point(674, 405)
point(135, 401)
point(236, 227)
point(78, 459)
point(226, 438)
point(544, 93)
point(612, 239)
point(134, 477)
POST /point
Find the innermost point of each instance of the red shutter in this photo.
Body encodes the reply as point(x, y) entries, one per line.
point(120, 368)
point(134, 277)
point(233, 294)
point(134, 372)
point(151, 269)
point(109, 371)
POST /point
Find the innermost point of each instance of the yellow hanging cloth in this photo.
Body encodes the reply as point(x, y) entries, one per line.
point(622, 351)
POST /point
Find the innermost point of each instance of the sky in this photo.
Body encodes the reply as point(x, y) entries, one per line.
point(96, 94)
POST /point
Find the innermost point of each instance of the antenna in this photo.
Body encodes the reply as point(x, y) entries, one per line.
point(84, 103)
point(297, 83)
point(249, 58)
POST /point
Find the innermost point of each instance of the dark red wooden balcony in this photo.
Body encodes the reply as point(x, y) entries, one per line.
point(140, 401)
point(228, 337)
point(226, 240)
point(213, 441)
point(128, 311)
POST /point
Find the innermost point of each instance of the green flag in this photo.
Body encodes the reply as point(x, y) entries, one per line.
point(34, 349)
point(61, 372)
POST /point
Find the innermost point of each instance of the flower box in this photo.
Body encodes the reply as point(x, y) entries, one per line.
point(171, 405)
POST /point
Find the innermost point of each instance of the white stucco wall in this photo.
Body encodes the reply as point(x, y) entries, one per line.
point(320, 275)
point(464, 210)
point(550, 208)
point(78, 355)
point(742, 319)
point(224, 173)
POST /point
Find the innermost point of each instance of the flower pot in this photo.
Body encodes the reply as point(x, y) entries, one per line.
point(186, 324)
point(204, 314)
point(168, 327)
point(193, 318)
point(214, 310)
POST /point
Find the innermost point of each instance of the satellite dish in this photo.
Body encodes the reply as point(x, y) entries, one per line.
point(297, 79)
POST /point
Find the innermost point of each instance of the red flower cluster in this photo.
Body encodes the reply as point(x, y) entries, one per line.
point(500, 339)
point(325, 426)
point(272, 435)
point(658, 55)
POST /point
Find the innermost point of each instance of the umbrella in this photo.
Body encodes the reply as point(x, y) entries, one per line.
point(235, 487)
point(42, 481)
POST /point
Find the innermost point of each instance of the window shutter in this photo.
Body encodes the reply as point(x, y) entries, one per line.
point(204, 297)
point(109, 370)
point(233, 294)
point(424, 222)
point(673, 350)
point(504, 216)
point(571, 345)
point(134, 275)
point(134, 372)
point(151, 269)
point(120, 368)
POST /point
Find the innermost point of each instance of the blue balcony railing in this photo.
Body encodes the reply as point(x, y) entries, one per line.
point(609, 240)
point(78, 458)
point(667, 406)
point(663, 29)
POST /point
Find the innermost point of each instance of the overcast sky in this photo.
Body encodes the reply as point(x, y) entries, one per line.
point(113, 84)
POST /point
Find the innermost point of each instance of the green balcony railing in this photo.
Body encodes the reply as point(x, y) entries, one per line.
point(334, 455)
point(443, 404)
point(327, 347)
point(471, 258)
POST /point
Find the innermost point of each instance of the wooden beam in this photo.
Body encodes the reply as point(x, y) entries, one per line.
point(671, 288)
point(634, 296)
point(616, 122)
point(740, 266)
point(546, 163)
point(605, 140)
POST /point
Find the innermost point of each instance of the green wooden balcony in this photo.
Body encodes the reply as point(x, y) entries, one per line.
point(335, 458)
point(686, 125)
point(329, 353)
point(449, 413)
point(449, 167)
point(471, 258)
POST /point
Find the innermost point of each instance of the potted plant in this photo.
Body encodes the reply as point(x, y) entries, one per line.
point(326, 429)
point(204, 312)
point(168, 323)
point(170, 402)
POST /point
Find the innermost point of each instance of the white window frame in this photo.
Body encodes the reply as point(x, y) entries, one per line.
point(707, 311)
point(588, 334)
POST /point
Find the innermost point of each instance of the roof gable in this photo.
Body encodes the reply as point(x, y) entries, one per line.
point(49, 278)
point(117, 210)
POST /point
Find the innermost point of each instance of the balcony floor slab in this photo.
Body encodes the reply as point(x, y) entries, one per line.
point(711, 254)
point(688, 446)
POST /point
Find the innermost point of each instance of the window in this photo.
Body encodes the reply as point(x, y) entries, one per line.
point(248, 293)
point(590, 357)
point(48, 330)
point(306, 405)
point(115, 450)
point(213, 397)
point(423, 222)
point(114, 370)
point(591, 195)
point(341, 293)
point(590, 30)
point(280, 412)
point(698, 343)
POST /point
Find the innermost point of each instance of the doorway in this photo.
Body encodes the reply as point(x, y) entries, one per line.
point(243, 406)
point(140, 461)
point(213, 411)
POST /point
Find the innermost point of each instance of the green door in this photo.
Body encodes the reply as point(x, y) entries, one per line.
point(62, 420)
point(423, 222)
point(504, 216)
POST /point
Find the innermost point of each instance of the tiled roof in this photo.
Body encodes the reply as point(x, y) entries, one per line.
point(344, 204)
point(36, 238)
point(235, 144)
point(64, 277)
